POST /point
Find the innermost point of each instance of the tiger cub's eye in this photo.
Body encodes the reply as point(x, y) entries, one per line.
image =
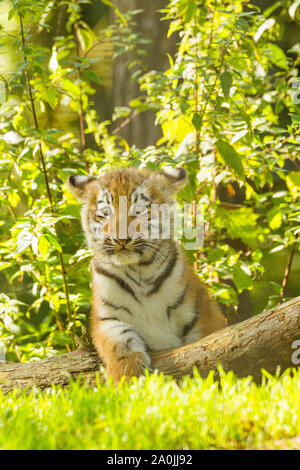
point(138, 210)
point(104, 212)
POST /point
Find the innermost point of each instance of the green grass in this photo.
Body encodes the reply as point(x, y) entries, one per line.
point(155, 413)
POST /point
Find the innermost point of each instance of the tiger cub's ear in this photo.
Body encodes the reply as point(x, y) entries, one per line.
point(169, 180)
point(81, 185)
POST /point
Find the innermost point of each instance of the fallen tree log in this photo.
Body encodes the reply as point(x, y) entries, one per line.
point(265, 341)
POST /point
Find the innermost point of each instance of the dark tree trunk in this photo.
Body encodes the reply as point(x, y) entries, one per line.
point(142, 131)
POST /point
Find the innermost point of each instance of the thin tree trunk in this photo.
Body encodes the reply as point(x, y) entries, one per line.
point(142, 131)
point(265, 341)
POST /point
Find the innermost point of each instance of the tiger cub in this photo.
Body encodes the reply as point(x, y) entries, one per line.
point(145, 293)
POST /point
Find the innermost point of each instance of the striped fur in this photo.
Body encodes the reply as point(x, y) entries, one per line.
point(145, 293)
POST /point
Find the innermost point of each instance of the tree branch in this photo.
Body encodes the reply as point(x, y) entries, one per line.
point(287, 271)
point(261, 342)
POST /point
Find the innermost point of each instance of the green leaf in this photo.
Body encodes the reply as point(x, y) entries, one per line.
point(121, 112)
point(92, 76)
point(71, 87)
point(226, 83)
point(4, 265)
point(215, 255)
point(243, 24)
point(85, 37)
point(62, 339)
point(231, 157)
point(13, 198)
point(242, 277)
point(240, 223)
point(24, 241)
point(293, 181)
point(197, 121)
point(268, 11)
point(53, 241)
point(191, 10)
point(50, 95)
point(108, 3)
point(43, 245)
point(11, 13)
point(238, 136)
point(225, 293)
point(275, 218)
point(276, 56)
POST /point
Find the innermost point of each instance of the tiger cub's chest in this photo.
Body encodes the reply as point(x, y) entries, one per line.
point(144, 299)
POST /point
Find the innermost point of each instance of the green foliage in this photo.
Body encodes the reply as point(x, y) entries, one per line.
point(220, 105)
point(154, 412)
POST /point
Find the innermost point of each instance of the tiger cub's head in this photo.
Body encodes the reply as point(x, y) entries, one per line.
point(121, 211)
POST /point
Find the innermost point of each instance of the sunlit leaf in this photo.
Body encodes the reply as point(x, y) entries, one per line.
point(242, 277)
point(197, 121)
point(276, 56)
point(231, 157)
point(92, 76)
point(293, 181)
point(226, 83)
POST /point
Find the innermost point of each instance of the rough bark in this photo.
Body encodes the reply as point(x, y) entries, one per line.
point(262, 342)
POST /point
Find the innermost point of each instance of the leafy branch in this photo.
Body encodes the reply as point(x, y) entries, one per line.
point(46, 179)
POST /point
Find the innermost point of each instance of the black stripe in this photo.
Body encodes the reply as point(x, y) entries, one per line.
point(131, 339)
point(189, 326)
point(143, 281)
point(179, 301)
point(166, 273)
point(144, 197)
point(106, 198)
point(132, 279)
point(127, 331)
point(150, 261)
point(154, 256)
point(118, 280)
point(116, 307)
point(80, 184)
point(132, 269)
point(135, 196)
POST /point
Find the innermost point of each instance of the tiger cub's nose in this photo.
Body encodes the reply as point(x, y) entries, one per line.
point(122, 241)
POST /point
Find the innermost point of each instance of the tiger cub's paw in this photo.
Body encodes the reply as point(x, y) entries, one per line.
point(133, 364)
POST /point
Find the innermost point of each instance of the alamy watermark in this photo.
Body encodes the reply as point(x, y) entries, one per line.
point(2, 93)
point(2, 353)
point(151, 222)
point(296, 94)
point(296, 353)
